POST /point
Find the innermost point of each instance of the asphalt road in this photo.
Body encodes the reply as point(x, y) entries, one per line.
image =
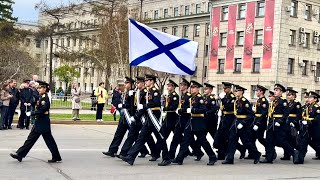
point(81, 147)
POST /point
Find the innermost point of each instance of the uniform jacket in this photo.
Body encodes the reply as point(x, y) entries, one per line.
point(261, 112)
point(294, 109)
point(244, 108)
point(42, 121)
point(142, 100)
point(197, 108)
point(279, 107)
point(154, 102)
point(211, 109)
point(171, 105)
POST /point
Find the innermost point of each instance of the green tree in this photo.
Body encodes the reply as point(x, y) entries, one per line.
point(6, 11)
point(66, 74)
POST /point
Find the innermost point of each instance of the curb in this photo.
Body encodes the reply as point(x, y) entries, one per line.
point(81, 122)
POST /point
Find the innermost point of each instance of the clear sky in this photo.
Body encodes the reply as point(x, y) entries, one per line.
point(25, 11)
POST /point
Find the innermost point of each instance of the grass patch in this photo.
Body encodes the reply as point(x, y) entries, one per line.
point(67, 104)
point(84, 117)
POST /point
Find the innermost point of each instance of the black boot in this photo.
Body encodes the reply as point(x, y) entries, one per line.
point(242, 154)
point(212, 161)
point(16, 156)
point(128, 159)
point(198, 158)
point(257, 158)
point(227, 162)
point(153, 158)
point(177, 162)
point(111, 154)
point(266, 162)
point(164, 163)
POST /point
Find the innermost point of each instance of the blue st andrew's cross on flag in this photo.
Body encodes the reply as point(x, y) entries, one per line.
point(160, 51)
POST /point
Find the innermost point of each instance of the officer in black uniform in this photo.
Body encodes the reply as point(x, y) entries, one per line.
point(227, 118)
point(41, 127)
point(261, 117)
point(195, 126)
point(278, 112)
point(128, 110)
point(309, 129)
point(292, 122)
point(183, 118)
point(170, 107)
point(137, 120)
point(211, 110)
point(241, 127)
point(153, 118)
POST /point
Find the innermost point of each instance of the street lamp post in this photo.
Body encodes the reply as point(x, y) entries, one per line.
point(141, 3)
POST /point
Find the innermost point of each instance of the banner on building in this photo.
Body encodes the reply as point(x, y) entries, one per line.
point(268, 34)
point(249, 34)
point(231, 36)
point(215, 25)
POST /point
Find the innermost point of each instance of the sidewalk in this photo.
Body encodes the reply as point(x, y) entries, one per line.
point(69, 111)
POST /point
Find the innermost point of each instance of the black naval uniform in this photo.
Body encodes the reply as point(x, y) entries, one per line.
point(135, 129)
point(171, 105)
point(123, 125)
point(243, 115)
point(210, 117)
point(260, 120)
point(222, 135)
point(308, 133)
point(154, 104)
point(279, 112)
point(41, 127)
point(295, 113)
point(196, 126)
point(183, 118)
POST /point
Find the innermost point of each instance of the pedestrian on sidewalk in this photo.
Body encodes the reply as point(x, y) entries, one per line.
point(5, 96)
point(14, 101)
point(76, 101)
point(102, 96)
point(116, 99)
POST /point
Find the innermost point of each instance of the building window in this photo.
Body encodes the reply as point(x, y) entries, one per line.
point(307, 13)
point(45, 72)
point(237, 64)
point(185, 31)
point(206, 52)
point(197, 30)
point(292, 39)
point(74, 41)
point(220, 65)
point(38, 43)
point(46, 42)
point(303, 91)
point(205, 71)
point(94, 40)
point(241, 11)
point(195, 72)
point(294, 8)
point(258, 37)
point(156, 14)
point(175, 31)
point(260, 9)
point(224, 13)
point(186, 10)
point(145, 15)
point(307, 40)
point(92, 72)
point(290, 66)
point(207, 29)
point(209, 6)
point(85, 87)
point(164, 29)
point(176, 12)
point(219, 89)
point(253, 92)
point(256, 65)
point(165, 13)
point(304, 68)
point(80, 41)
point(68, 42)
point(223, 39)
point(318, 69)
point(28, 41)
point(240, 38)
point(62, 42)
point(198, 8)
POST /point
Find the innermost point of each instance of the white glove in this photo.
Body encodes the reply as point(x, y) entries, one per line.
point(177, 111)
point(277, 124)
point(131, 93)
point(292, 125)
point(189, 110)
point(28, 113)
point(240, 126)
point(132, 119)
point(255, 127)
point(219, 113)
point(304, 122)
point(254, 109)
point(140, 106)
point(120, 106)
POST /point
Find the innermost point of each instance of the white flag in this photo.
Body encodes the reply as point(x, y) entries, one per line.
point(160, 51)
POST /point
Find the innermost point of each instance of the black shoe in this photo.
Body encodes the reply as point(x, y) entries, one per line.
point(257, 158)
point(153, 159)
point(191, 154)
point(198, 158)
point(128, 159)
point(117, 156)
point(266, 162)
point(285, 158)
point(108, 154)
point(264, 155)
point(121, 156)
point(227, 162)
point(316, 158)
point(176, 162)
point(142, 156)
point(212, 161)
point(242, 154)
point(274, 156)
point(16, 156)
point(27, 128)
point(54, 160)
point(9, 127)
point(164, 163)
point(296, 157)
